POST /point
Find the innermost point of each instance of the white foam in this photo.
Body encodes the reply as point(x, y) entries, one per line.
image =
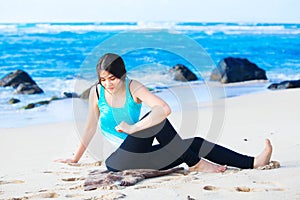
point(278, 77)
point(237, 28)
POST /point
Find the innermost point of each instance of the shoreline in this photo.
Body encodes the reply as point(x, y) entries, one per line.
point(52, 113)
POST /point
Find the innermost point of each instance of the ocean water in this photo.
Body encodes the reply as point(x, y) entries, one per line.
point(61, 57)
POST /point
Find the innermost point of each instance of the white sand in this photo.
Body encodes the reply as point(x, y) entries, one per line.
point(27, 153)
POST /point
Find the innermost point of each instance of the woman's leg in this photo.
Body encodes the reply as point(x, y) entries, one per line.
point(224, 156)
point(210, 151)
point(137, 151)
point(220, 155)
point(132, 154)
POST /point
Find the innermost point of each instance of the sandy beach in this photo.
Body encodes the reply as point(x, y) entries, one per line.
point(28, 171)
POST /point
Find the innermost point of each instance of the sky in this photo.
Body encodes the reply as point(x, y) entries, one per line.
point(271, 11)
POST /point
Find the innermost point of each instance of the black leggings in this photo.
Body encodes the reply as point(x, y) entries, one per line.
point(138, 152)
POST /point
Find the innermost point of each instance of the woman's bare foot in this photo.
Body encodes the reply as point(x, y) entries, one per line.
point(264, 157)
point(205, 166)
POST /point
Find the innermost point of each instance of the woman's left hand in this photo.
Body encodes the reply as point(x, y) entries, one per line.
point(126, 128)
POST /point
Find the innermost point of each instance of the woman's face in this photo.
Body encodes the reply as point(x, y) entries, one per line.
point(109, 81)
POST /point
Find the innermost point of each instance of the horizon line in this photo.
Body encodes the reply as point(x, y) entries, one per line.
point(136, 22)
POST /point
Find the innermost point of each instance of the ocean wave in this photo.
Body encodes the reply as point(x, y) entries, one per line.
point(230, 29)
point(207, 28)
point(65, 27)
point(278, 77)
point(157, 25)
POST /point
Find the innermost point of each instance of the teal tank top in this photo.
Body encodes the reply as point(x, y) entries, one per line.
point(110, 117)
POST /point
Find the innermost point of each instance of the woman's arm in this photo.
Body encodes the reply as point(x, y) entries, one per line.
point(90, 129)
point(159, 109)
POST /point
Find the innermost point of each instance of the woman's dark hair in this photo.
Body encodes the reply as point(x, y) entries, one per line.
point(112, 63)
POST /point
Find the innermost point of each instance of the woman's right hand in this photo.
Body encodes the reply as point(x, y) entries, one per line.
point(68, 160)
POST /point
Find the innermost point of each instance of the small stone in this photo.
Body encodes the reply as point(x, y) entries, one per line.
point(13, 101)
point(71, 95)
point(190, 198)
point(242, 189)
point(209, 187)
point(29, 106)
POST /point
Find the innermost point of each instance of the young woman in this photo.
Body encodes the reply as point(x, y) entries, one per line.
point(116, 103)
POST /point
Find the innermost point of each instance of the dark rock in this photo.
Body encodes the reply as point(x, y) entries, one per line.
point(71, 95)
point(231, 70)
point(45, 102)
point(182, 73)
point(22, 81)
point(15, 78)
point(13, 101)
point(40, 103)
point(190, 198)
point(285, 85)
point(54, 98)
point(29, 106)
point(34, 105)
point(28, 88)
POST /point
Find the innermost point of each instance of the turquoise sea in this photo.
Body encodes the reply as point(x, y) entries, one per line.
point(57, 55)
